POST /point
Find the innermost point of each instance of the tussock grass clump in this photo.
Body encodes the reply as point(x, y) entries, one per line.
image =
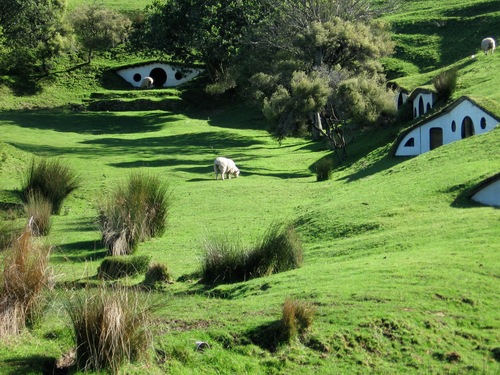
point(157, 274)
point(123, 266)
point(324, 169)
point(38, 210)
point(24, 279)
point(134, 212)
point(51, 179)
point(445, 84)
point(9, 231)
point(297, 317)
point(226, 261)
point(110, 328)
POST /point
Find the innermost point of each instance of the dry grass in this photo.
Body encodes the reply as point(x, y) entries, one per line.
point(39, 210)
point(297, 317)
point(24, 279)
point(110, 328)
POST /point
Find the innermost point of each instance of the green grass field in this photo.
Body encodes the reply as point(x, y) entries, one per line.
point(401, 266)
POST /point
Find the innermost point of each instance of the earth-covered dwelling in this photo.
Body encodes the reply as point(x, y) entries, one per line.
point(487, 192)
point(461, 119)
point(163, 74)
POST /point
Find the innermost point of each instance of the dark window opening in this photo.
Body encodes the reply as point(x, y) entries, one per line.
point(137, 77)
point(421, 106)
point(436, 138)
point(178, 76)
point(428, 107)
point(483, 123)
point(467, 127)
point(453, 126)
point(159, 76)
point(410, 142)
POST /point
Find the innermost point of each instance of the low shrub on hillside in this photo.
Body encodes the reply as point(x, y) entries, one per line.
point(51, 179)
point(110, 328)
point(134, 212)
point(226, 261)
point(445, 84)
point(123, 266)
point(38, 210)
point(297, 317)
point(324, 169)
point(157, 275)
point(23, 281)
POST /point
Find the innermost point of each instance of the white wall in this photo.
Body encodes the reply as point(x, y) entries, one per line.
point(421, 135)
point(489, 195)
point(428, 100)
point(131, 75)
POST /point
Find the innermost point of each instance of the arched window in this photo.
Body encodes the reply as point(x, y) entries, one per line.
point(421, 106)
point(428, 107)
point(453, 126)
point(467, 127)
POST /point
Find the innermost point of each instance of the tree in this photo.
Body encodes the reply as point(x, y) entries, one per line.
point(34, 33)
point(322, 67)
point(98, 28)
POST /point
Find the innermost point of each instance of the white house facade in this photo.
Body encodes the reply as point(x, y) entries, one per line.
point(423, 101)
point(164, 75)
point(459, 120)
point(488, 192)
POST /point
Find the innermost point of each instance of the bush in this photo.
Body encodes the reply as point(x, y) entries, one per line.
point(296, 318)
point(445, 84)
point(224, 261)
point(110, 328)
point(324, 169)
point(157, 274)
point(123, 266)
point(51, 179)
point(134, 212)
point(24, 279)
point(38, 210)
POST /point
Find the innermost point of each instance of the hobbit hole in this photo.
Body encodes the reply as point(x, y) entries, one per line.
point(467, 127)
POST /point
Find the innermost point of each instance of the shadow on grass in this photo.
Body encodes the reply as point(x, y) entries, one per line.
point(269, 336)
point(95, 123)
point(83, 251)
point(37, 364)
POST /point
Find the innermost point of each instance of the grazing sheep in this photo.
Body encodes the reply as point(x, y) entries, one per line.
point(225, 166)
point(488, 45)
point(147, 83)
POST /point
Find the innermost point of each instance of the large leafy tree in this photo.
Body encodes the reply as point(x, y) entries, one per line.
point(34, 32)
point(98, 28)
point(322, 66)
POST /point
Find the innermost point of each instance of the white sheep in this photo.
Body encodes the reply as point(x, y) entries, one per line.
point(147, 83)
point(225, 166)
point(488, 45)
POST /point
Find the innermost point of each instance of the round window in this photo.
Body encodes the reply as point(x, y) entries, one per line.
point(137, 77)
point(453, 126)
point(483, 123)
point(178, 76)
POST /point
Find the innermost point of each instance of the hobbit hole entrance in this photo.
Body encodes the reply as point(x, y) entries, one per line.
point(467, 127)
point(436, 138)
point(159, 76)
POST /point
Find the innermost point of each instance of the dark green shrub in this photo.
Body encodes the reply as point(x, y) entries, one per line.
point(225, 261)
point(38, 210)
point(123, 266)
point(134, 212)
point(157, 274)
point(110, 328)
point(445, 84)
point(324, 169)
point(51, 179)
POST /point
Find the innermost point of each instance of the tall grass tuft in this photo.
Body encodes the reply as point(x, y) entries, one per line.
point(324, 169)
point(38, 210)
point(297, 317)
point(225, 261)
point(110, 328)
point(123, 266)
point(445, 84)
point(51, 179)
point(24, 279)
point(134, 212)
point(156, 276)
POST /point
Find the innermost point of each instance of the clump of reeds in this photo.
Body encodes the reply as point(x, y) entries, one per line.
point(324, 169)
point(297, 317)
point(134, 212)
point(24, 279)
point(110, 328)
point(38, 209)
point(225, 260)
point(123, 266)
point(156, 275)
point(51, 179)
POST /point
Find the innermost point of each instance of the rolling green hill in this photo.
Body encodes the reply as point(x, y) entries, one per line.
point(401, 266)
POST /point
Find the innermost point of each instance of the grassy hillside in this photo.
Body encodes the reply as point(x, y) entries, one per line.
point(401, 266)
